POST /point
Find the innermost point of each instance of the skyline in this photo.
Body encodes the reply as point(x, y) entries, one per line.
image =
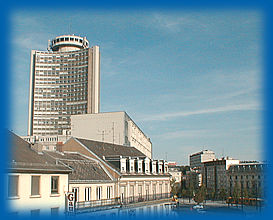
point(205, 66)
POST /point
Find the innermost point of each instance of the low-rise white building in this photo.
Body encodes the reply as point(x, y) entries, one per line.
point(136, 177)
point(48, 142)
point(176, 173)
point(35, 183)
point(111, 127)
point(89, 179)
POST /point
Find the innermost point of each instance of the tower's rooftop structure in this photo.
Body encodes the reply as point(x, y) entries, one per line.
point(68, 43)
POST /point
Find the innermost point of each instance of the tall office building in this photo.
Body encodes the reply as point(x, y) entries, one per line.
point(64, 81)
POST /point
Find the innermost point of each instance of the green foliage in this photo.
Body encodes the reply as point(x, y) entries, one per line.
point(184, 193)
point(200, 195)
point(223, 194)
point(175, 187)
point(245, 193)
point(236, 193)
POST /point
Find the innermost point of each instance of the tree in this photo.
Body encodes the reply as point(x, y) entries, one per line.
point(236, 193)
point(175, 187)
point(212, 194)
point(223, 194)
point(245, 193)
point(200, 195)
point(184, 193)
point(190, 192)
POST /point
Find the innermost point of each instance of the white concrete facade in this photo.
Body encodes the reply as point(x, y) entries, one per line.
point(111, 127)
point(137, 186)
point(47, 142)
point(107, 191)
point(197, 159)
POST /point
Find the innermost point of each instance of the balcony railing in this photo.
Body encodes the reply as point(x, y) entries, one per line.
point(105, 203)
point(136, 199)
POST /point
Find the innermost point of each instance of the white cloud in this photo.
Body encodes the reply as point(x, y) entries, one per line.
point(228, 108)
point(29, 42)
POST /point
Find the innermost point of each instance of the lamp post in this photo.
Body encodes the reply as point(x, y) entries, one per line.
point(242, 199)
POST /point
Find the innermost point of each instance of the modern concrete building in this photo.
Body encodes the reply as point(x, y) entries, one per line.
point(111, 127)
point(197, 159)
point(214, 174)
point(64, 81)
point(193, 178)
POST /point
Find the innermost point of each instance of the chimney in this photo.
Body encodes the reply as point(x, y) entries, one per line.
point(59, 146)
point(37, 147)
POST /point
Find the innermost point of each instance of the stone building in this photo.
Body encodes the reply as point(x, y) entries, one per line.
point(214, 174)
point(137, 177)
point(248, 177)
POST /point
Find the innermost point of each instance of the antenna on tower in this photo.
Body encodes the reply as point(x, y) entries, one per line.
point(48, 45)
point(113, 129)
point(69, 28)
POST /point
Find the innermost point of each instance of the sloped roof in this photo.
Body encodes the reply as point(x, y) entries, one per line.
point(24, 159)
point(84, 170)
point(108, 150)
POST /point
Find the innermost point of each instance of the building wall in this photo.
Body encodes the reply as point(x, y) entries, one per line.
point(111, 127)
point(176, 175)
point(197, 159)
point(47, 142)
point(73, 146)
point(104, 127)
point(62, 83)
point(24, 203)
point(249, 177)
point(81, 190)
point(138, 186)
point(215, 174)
point(138, 139)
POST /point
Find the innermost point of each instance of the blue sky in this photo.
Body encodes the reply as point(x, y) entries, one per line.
point(191, 80)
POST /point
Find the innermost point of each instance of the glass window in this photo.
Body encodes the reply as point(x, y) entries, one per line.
point(76, 191)
point(35, 212)
point(13, 185)
point(54, 184)
point(55, 211)
point(35, 185)
point(99, 192)
point(109, 192)
point(87, 193)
